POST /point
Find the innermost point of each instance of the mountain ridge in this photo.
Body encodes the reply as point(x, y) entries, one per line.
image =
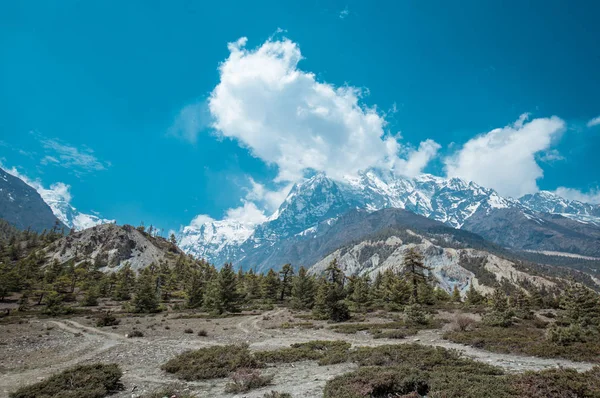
point(320, 199)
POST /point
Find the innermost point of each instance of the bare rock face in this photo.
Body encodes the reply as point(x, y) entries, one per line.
point(23, 207)
point(110, 246)
point(450, 266)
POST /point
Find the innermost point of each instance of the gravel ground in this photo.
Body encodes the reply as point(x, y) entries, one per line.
point(35, 349)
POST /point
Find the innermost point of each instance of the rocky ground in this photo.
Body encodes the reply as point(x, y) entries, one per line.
point(33, 349)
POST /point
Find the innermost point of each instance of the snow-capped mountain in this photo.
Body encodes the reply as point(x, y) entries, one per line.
point(218, 237)
point(548, 202)
point(66, 213)
point(319, 201)
point(58, 198)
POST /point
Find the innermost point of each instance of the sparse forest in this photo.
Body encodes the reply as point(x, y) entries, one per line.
point(529, 320)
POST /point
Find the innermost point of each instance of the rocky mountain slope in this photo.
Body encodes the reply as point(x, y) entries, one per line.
point(450, 266)
point(58, 199)
point(111, 246)
point(317, 202)
point(527, 230)
point(23, 207)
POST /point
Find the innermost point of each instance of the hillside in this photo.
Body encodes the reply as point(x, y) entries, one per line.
point(110, 246)
point(450, 266)
point(526, 230)
point(23, 207)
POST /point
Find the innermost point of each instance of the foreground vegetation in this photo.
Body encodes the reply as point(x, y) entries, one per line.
point(87, 381)
point(410, 370)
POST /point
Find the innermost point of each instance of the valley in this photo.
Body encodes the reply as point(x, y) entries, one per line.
point(32, 349)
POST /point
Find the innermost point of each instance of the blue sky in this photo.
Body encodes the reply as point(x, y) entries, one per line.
point(125, 101)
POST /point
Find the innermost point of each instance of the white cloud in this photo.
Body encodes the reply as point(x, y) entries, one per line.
point(57, 191)
point(417, 159)
point(270, 200)
point(574, 194)
point(248, 213)
point(285, 117)
point(344, 13)
point(67, 156)
point(550, 156)
point(200, 220)
point(594, 122)
point(505, 158)
point(190, 120)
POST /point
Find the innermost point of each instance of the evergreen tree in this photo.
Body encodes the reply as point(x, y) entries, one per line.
point(441, 295)
point(173, 239)
point(252, 285)
point(303, 290)
point(146, 298)
point(426, 293)
point(456, 294)
point(581, 306)
point(270, 286)
point(414, 266)
point(90, 299)
point(286, 274)
point(124, 283)
point(473, 296)
point(360, 296)
point(195, 289)
point(222, 293)
point(330, 295)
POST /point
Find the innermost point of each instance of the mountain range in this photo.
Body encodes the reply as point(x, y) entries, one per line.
point(542, 222)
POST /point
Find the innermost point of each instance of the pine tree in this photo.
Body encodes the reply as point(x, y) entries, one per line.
point(222, 292)
point(124, 283)
point(330, 295)
point(441, 295)
point(473, 296)
point(252, 285)
point(456, 294)
point(581, 306)
point(361, 297)
point(303, 290)
point(195, 289)
point(414, 266)
point(90, 299)
point(173, 239)
point(146, 299)
point(270, 286)
point(286, 274)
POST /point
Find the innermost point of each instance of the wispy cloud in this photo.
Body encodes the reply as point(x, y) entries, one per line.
point(344, 13)
point(594, 122)
point(64, 155)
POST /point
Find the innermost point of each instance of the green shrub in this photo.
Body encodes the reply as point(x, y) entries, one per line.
point(327, 352)
point(378, 382)
point(498, 318)
point(87, 381)
point(559, 383)
point(277, 394)
point(210, 363)
point(244, 380)
point(527, 339)
point(391, 334)
point(135, 333)
point(107, 319)
point(566, 335)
